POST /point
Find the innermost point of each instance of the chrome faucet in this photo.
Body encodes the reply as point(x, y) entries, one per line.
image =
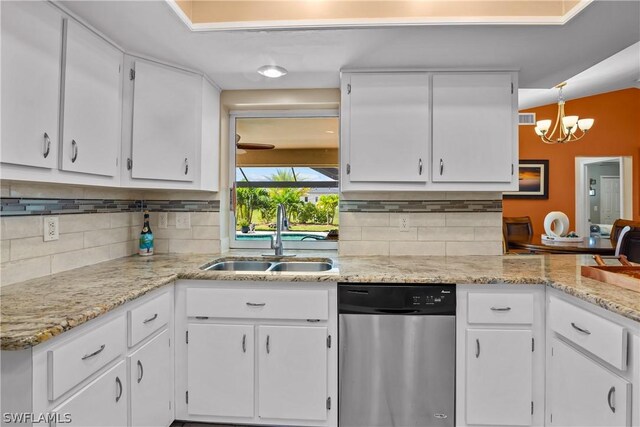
point(276, 240)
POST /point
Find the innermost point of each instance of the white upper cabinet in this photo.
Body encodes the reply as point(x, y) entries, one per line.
point(429, 131)
point(166, 124)
point(92, 103)
point(31, 55)
point(388, 127)
point(474, 127)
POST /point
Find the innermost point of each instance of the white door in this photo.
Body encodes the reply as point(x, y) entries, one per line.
point(388, 130)
point(473, 127)
point(101, 403)
point(92, 103)
point(220, 369)
point(499, 377)
point(166, 129)
point(151, 386)
point(609, 199)
point(292, 369)
point(31, 54)
point(583, 393)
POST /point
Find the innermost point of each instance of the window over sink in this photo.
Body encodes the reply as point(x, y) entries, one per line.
point(288, 158)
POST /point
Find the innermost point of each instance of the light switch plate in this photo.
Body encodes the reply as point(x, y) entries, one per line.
point(163, 219)
point(183, 220)
point(51, 228)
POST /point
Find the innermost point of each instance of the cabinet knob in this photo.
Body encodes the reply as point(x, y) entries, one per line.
point(244, 343)
point(47, 145)
point(186, 166)
point(95, 353)
point(500, 308)
point(150, 319)
point(74, 151)
point(119, 389)
point(419, 166)
point(268, 346)
point(578, 328)
point(441, 166)
point(477, 348)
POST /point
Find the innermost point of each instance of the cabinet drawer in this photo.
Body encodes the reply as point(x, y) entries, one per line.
point(75, 360)
point(258, 303)
point(500, 308)
point(605, 339)
point(148, 318)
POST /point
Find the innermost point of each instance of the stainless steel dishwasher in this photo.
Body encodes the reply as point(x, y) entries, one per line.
point(396, 355)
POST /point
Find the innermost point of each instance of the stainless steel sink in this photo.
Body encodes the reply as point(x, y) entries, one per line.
point(302, 266)
point(241, 266)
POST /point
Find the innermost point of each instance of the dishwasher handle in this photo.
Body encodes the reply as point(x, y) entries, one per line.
point(397, 310)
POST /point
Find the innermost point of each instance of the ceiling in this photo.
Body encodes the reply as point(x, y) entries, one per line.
point(220, 14)
point(544, 54)
point(290, 133)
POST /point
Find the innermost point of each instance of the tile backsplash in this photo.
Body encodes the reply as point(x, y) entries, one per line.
point(95, 225)
point(452, 224)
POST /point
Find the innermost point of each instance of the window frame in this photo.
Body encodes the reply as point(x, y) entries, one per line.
point(266, 244)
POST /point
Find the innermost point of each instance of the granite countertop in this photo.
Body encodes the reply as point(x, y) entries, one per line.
point(37, 310)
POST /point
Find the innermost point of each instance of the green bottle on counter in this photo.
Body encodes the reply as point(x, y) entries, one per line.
point(146, 238)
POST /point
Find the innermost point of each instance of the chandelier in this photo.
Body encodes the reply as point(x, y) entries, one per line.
point(566, 126)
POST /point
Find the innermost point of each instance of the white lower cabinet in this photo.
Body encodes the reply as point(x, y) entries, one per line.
point(292, 370)
point(582, 392)
point(103, 402)
point(220, 370)
point(265, 358)
point(151, 386)
point(499, 377)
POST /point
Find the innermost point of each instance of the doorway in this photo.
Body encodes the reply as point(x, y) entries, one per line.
point(603, 193)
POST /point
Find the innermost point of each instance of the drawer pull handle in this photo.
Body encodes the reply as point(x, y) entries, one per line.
point(441, 167)
point(477, 348)
point(47, 145)
point(140, 371)
point(186, 166)
point(419, 166)
point(609, 396)
point(268, 346)
point(95, 353)
point(256, 304)
point(74, 151)
point(500, 308)
point(119, 388)
point(244, 343)
point(578, 328)
point(151, 319)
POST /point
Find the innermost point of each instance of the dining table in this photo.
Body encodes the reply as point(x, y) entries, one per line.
point(588, 245)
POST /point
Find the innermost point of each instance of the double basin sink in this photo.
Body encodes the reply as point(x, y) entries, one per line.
point(299, 265)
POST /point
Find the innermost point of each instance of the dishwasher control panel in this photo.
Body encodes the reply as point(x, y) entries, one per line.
point(371, 298)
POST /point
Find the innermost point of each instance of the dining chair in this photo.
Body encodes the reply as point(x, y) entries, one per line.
point(629, 244)
point(617, 227)
point(516, 228)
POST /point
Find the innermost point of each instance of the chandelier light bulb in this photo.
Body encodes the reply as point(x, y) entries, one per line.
point(585, 124)
point(570, 121)
point(543, 125)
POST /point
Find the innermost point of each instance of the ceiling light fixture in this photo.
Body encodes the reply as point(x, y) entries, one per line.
point(567, 129)
point(272, 71)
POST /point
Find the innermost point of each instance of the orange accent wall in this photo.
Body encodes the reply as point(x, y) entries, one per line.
point(616, 132)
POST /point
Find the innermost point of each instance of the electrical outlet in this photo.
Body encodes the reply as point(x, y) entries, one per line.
point(404, 224)
point(183, 220)
point(163, 218)
point(51, 228)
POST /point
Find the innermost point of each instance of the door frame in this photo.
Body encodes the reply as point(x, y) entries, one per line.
point(582, 187)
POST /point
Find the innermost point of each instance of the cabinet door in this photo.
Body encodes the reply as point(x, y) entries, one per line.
point(499, 377)
point(31, 54)
point(220, 370)
point(166, 106)
point(388, 130)
point(151, 385)
point(292, 369)
point(473, 127)
point(583, 393)
point(101, 403)
point(92, 103)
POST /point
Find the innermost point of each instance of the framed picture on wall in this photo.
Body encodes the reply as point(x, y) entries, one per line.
point(533, 180)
